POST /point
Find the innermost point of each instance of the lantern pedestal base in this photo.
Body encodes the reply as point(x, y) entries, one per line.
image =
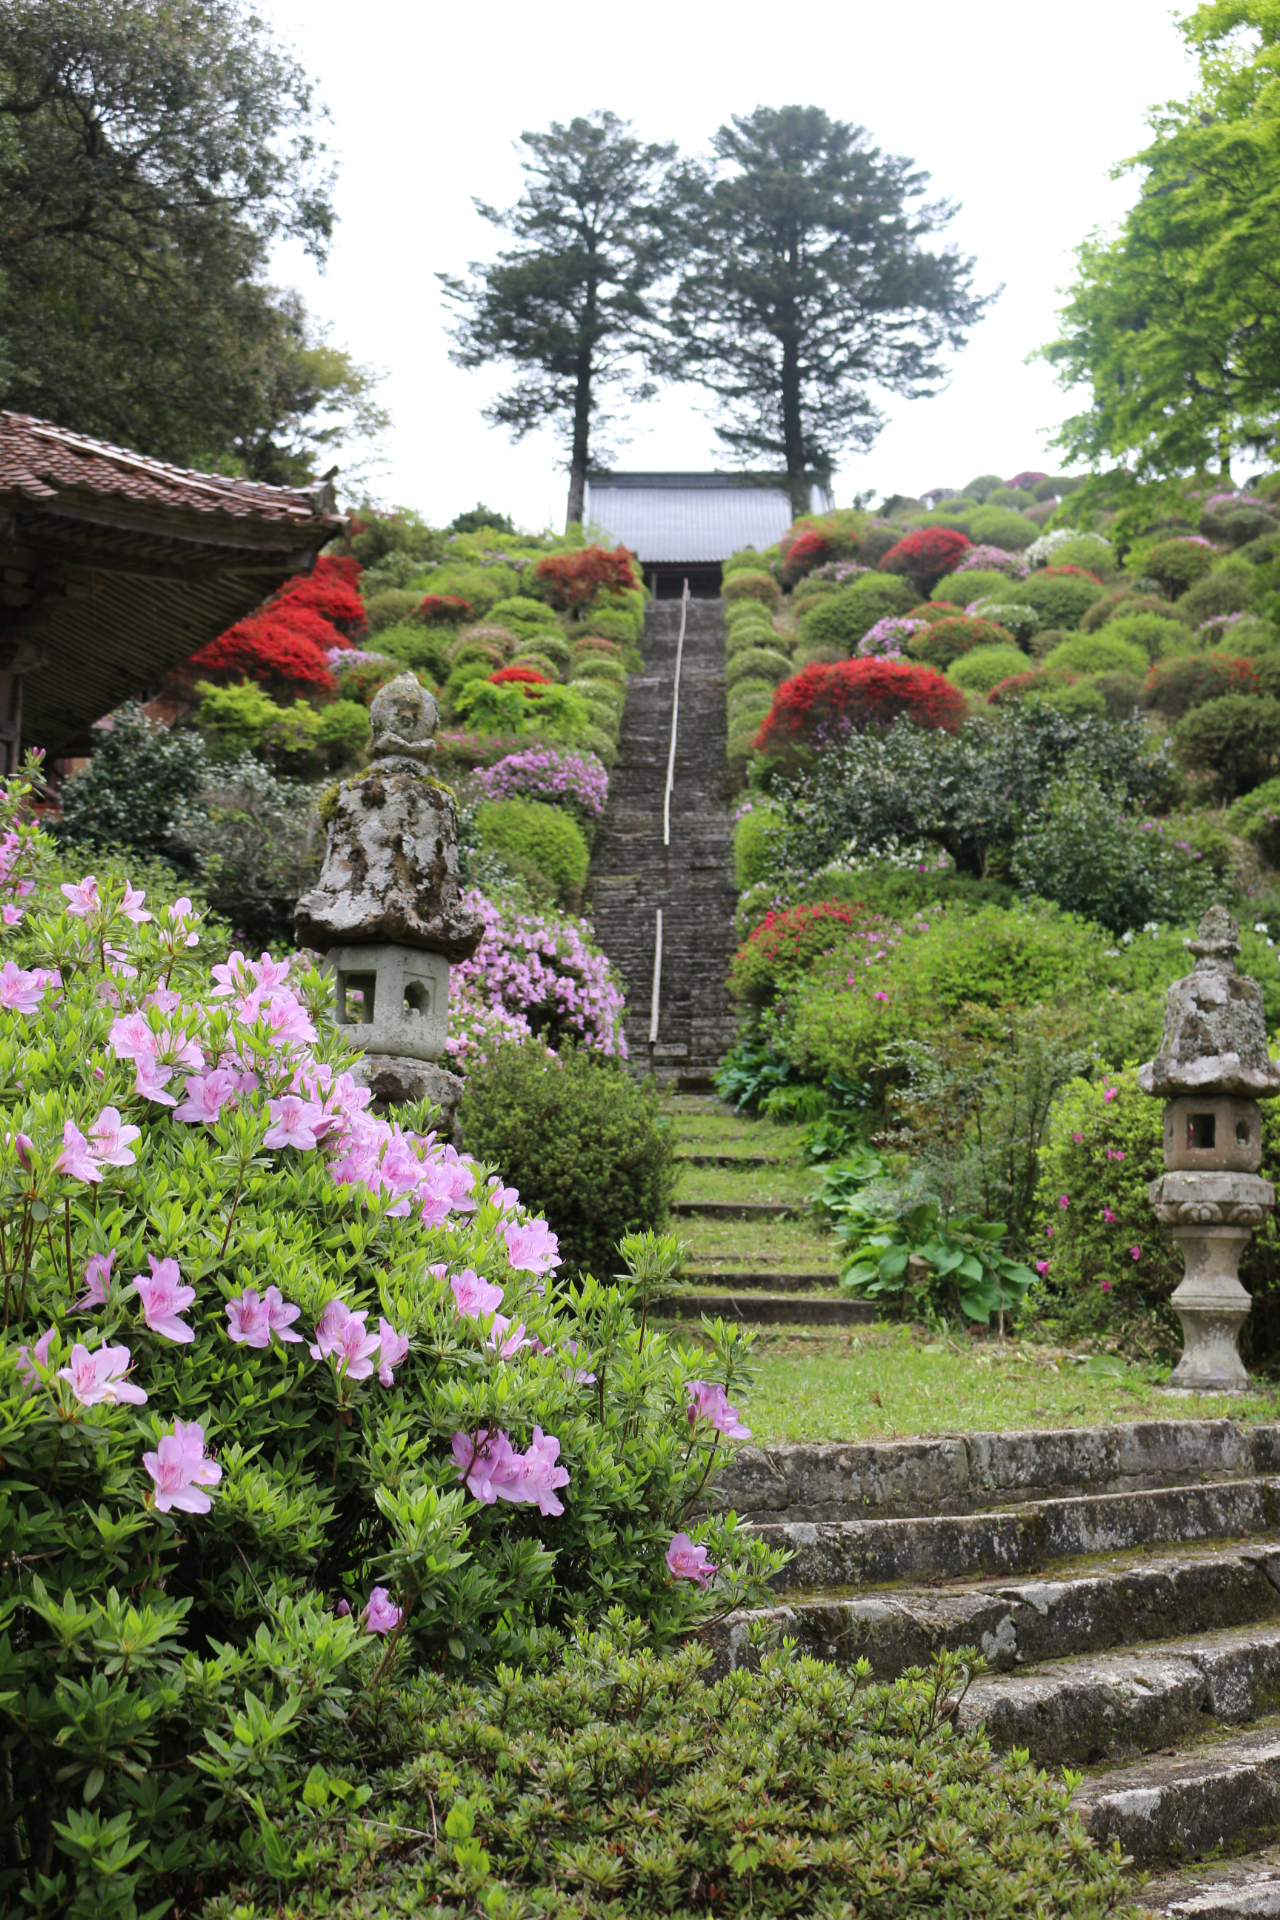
point(395, 1081)
point(1212, 1307)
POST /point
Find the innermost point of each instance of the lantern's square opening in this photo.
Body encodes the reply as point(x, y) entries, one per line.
point(1243, 1136)
point(355, 999)
point(1202, 1130)
point(417, 997)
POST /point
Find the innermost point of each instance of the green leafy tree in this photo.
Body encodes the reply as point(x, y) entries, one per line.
point(1173, 325)
point(571, 304)
point(151, 151)
point(807, 282)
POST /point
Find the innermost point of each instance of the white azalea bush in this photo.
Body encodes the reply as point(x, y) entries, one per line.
point(292, 1407)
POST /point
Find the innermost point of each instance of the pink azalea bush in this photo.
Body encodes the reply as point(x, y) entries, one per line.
point(290, 1392)
point(575, 780)
point(534, 975)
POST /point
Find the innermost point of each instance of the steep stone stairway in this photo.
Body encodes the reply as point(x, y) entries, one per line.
point(633, 875)
point(1122, 1582)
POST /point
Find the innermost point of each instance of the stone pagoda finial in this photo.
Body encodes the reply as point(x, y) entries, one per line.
point(1212, 1069)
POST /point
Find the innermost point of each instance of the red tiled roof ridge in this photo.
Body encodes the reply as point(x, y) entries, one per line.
point(27, 442)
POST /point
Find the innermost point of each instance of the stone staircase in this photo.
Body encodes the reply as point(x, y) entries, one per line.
point(633, 874)
point(1123, 1584)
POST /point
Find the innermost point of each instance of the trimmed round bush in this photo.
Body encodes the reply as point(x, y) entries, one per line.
point(616, 623)
point(1067, 548)
point(943, 641)
point(926, 556)
point(1059, 599)
point(1158, 637)
point(1228, 588)
point(824, 703)
point(761, 662)
point(1173, 687)
point(999, 527)
point(1174, 564)
point(539, 664)
point(974, 583)
point(1257, 819)
point(1042, 643)
point(1103, 652)
point(986, 667)
point(754, 633)
point(760, 587)
point(577, 1133)
point(391, 607)
point(600, 693)
point(748, 697)
point(786, 942)
point(540, 836)
point(593, 739)
point(1126, 600)
point(1234, 742)
point(524, 617)
point(1015, 497)
point(599, 666)
point(876, 542)
point(1078, 697)
point(841, 620)
point(1019, 618)
point(741, 613)
point(552, 645)
point(474, 647)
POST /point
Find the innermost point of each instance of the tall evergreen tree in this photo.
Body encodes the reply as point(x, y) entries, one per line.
point(1174, 324)
point(571, 305)
point(806, 285)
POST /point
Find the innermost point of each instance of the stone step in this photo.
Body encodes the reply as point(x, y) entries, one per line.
point(978, 1472)
point(774, 1282)
point(747, 1160)
point(736, 1209)
point(1225, 1793)
point(768, 1310)
point(1243, 1889)
point(860, 1553)
point(1115, 1601)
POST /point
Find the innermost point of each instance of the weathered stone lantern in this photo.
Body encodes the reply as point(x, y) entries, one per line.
point(1212, 1069)
point(385, 910)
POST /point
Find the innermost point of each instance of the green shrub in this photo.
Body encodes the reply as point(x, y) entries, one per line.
point(1077, 695)
point(744, 639)
point(829, 1796)
point(423, 648)
point(391, 608)
point(1043, 641)
point(1089, 550)
point(1174, 564)
point(1015, 497)
point(998, 527)
point(598, 666)
point(749, 697)
point(579, 1133)
point(551, 644)
point(545, 837)
point(1257, 818)
point(1233, 742)
point(141, 790)
point(978, 584)
point(617, 623)
point(595, 740)
point(747, 560)
point(760, 587)
point(1061, 599)
point(741, 742)
point(754, 834)
point(946, 640)
point(985, 667)
point(846, 616)
point(761, 663)
point(493, 649)
point(1226, 588)
point(1121, 693)
point(1126, 600)
point(528, 619)
point(1101, 652)
point(539, 662)
point(1087, 852)
point(1175, 686)
point(1160, 638)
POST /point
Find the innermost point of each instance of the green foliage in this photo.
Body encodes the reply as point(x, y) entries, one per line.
point(762, 588)
point(299, 739)
point(998, 527)
point(1160, 637)
point(529, 834)
point(1175, 564)
point(1060, 601)
point(985, 667)
point(141, 790)
point(424, 649)
point(844, 617)
point(962, 1254)
point(1177, 685)
point(390, 608)
point(599, 666)
point(1101, 652)
point(761, 663)
point(558, 711)
point(1229, 587)
point(616, 623)
point(960, 589)
point(259, 842)
point(754, 834)
point(1125, 600)
point(1086, 851)
point(1233, 743)
point(527, 619)
point(1093, 551)
point(1257, 817)
point(582, 1141)
point(749, 696)
point(948, 639)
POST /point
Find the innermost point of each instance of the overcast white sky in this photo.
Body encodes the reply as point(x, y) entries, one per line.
point(1018, 111)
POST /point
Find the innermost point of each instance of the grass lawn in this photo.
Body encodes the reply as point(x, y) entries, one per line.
point(880, 1383)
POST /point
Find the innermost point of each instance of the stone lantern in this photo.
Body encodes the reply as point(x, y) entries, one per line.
point(385, 910)
point(1212, 1069)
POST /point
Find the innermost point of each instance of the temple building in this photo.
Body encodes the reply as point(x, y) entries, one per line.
point(684, 525)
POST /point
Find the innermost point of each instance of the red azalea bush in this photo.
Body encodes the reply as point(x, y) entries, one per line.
point(1175, 686)
point(518, 676)
point(444, 610)
point(786, 942)
point(286, 640)
point(573, 580)
point(808, 550)
point(927, 556)
point(827, 700)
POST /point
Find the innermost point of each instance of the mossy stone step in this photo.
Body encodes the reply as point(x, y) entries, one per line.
point(1247, 1888)
point(745, 1160)
point(736, 1209)
point(768, 1310)
point(1174, 1806)
point(779, 1282)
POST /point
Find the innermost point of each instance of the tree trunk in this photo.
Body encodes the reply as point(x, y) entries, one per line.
point(577, 494)
point(582, 400)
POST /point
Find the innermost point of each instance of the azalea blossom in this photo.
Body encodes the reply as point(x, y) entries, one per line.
point(82, 895)
point(21, 991)
point(281, 1314)
point(111, 1139)
point(394, 1348)
point(294, 1123)
point(180, 1469)
point(131, 1036)
point(708, 1402)
point(163, 1298)
point(342, 1336)
point(131, 906)
point(475, 1298)
point(491, 1469)
point(150, 1080)
point(531, 1248)
point(248, 1323)
point(97, 1281)
point(1108, 1216)
point(687, 1562)
point(98, 1378)
point(506, 1344)
point(10, 914)
point(576, 1376)
point(76, 1160)
point(380, 1616)
point(40, 1354)
point(205, 1095)
point(1042, 1266)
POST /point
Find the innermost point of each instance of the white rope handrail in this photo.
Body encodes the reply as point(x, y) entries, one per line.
point(675, 721)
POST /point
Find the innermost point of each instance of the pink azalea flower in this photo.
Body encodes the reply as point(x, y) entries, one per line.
point(10, 914)
point(1136, 1252)
point(248, 1322)
point(97, 1281)
point(21, 992)
point(879, 996)
point(82, 896)
point(163, 1298)
point(708, 1402)
point(180, 1469)
point(24, 1146)
point(111, 1139)
point(491, 1469)
point(288, 1021)
point(1105, 1285)
point(394, 1348)
point(131, 1036)
point(1078, 1138)
point(131, 906)
point(75, 1160)
point(294, 1123)
point(532, 1248)
point(205, 1095)
point(98, 1378)
point(184, 918)
point(505, 1199)
point(506, 1345)
point(341, 1335)
point(228, 974)
point(687, 1562)
point(576, 1376)
point(150, 1079)
point(1108, 1216)
point(1109, 1093)
point(281, 1315)
point(474, 1297)
point(380, 1616)
point(1042, 1266)
point(30, 1378)
point(1064, 1199)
